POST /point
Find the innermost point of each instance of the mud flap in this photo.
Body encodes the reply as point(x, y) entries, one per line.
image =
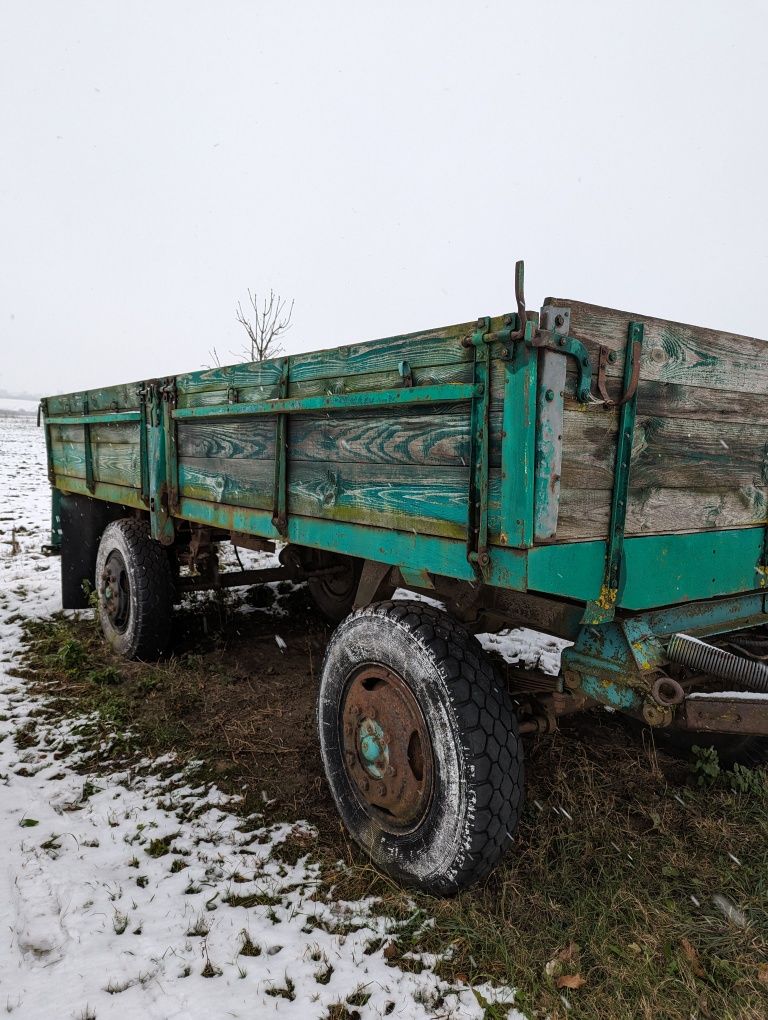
point(83, 521)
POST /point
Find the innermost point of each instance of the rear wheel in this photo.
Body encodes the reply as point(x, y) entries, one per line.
point(134, 584)
point(420, 745)
point(334, 594)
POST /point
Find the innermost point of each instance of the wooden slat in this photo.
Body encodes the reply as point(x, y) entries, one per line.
point(674, 352)
point(437, 436)
point(421, 350)
point(117, 463)
point(433, 501)
point(674, 453)
point(584, 513)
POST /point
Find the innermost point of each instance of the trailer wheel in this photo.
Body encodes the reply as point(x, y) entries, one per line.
point(135, 590)
point(334, 595)
point(420, 745)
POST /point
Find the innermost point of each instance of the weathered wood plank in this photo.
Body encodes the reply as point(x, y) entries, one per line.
point(673, 453)
point(123, 397)
point(118, 432)
point(584, 513)
point(437, 436)
point(117, 463)
point(433, 501)
point(422, 349)
point(674, 352)
point(674, 400)
point(356, 383)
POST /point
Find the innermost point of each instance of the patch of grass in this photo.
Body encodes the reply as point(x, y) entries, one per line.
point(288, 991)
point(247, 947)
point(199, 927)
point(258, 899)
point(160, 846)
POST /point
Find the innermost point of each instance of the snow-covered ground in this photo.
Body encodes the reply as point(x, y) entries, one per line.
point(96, 921)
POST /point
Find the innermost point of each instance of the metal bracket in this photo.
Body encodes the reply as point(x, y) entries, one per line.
point(552, 335)
point(373, 583)
point(168, 395)
point(90, 480)
point(143, 393)
point(603, 608)
point(607, 357)
point(280, 488)
point(477, 517)
point(406, 374)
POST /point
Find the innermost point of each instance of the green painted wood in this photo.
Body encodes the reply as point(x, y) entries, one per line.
point(94, 419)
point(433, 502)
point(404, 397)
point(658, 570)
point(422, 349)
point(123, 397)
point(519, 448)
point(435, 554)
point(432, 436)
point(109, 492)
point(100, 434)
point(117, 463)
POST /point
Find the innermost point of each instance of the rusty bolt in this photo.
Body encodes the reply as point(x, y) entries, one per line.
point(612, 356)
point(505, 352)
point(549, 395)
point(561, 341)
point(559, 320)
point(484, 559)
point(466, 341)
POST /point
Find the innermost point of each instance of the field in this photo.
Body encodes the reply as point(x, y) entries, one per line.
point(171, 848)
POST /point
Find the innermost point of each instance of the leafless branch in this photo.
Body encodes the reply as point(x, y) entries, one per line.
point(264, 322)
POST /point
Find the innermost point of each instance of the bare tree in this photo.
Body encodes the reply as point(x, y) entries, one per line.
point(265, 322)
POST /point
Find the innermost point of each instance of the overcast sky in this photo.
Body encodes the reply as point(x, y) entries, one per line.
point(382, 163)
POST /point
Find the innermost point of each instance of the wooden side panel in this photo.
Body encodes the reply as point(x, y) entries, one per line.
point(700, 451)
point(406, 470)
point(115, 450)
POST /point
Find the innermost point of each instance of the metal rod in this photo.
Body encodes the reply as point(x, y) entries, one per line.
point(442, 393)
point(94, 419)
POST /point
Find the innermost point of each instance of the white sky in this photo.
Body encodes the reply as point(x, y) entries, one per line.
point(382, 163)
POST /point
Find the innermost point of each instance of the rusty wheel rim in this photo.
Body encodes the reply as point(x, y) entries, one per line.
point(114, 592)
point(387, 748)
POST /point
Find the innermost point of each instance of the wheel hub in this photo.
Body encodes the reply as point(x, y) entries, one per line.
point(114, 591)
point(387, 747)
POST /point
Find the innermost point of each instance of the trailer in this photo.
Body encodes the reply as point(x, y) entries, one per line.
point(589, 473)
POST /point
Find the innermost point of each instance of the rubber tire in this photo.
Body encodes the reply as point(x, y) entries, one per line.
point(150, 586)
point(478, 756)
point(333, 606)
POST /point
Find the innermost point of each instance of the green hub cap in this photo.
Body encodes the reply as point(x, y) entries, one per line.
point(373, 748)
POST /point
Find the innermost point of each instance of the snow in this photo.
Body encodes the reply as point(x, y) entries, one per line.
point(731, 695)
point(93, 924)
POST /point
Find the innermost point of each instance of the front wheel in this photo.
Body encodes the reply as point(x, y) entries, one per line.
point(420, 745)
point(134, 584)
